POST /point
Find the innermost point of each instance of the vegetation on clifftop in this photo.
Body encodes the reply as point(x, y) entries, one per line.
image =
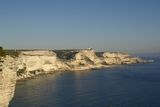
point(2, 52)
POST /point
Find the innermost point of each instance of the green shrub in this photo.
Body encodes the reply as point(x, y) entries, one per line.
point(20, 72)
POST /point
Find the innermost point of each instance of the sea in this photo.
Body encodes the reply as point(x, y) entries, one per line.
point(135, 85)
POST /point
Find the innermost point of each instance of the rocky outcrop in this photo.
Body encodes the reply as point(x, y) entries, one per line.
point(121, 58)
point(86, 59)
point(31, 63)
point(88, 55)
point(7, 80)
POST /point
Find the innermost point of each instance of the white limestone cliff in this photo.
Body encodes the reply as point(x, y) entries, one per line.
point(86, 59)
point(7, 80)
point(31, 63)
point(121, 58)
point(90, 54)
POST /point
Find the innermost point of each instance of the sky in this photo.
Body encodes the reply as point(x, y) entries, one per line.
point(106, 25)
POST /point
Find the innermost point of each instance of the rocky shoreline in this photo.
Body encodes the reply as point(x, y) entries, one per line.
point(35, 62)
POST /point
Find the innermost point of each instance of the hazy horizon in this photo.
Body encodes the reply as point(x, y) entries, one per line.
point(109, 25)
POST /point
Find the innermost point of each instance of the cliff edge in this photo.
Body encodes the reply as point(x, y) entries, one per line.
point(121, 58)
point(7, 80)
point(31, 63)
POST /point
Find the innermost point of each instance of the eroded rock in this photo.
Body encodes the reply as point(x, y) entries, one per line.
point(88, 56)
point(7, 80)
point(31, 63)
point(121, 58)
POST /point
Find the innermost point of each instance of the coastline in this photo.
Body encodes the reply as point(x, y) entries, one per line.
point(29, 64)
point(80, 69)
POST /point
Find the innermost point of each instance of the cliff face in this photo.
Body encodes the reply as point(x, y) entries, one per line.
point(86, 59)
point(7, 80)
point(31, 63)
point(121, 58)
point(88, 55)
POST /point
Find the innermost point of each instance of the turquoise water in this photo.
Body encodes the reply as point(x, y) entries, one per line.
point(122, 86)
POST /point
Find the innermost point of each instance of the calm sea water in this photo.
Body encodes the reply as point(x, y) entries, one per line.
point(122, 86)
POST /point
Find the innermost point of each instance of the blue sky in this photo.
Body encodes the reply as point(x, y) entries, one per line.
point(114, 25)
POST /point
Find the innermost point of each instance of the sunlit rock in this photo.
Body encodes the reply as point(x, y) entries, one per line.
point(88, 55)
point(31, 63)
point(7, 80)
point(86, 59)
point(121, 58)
